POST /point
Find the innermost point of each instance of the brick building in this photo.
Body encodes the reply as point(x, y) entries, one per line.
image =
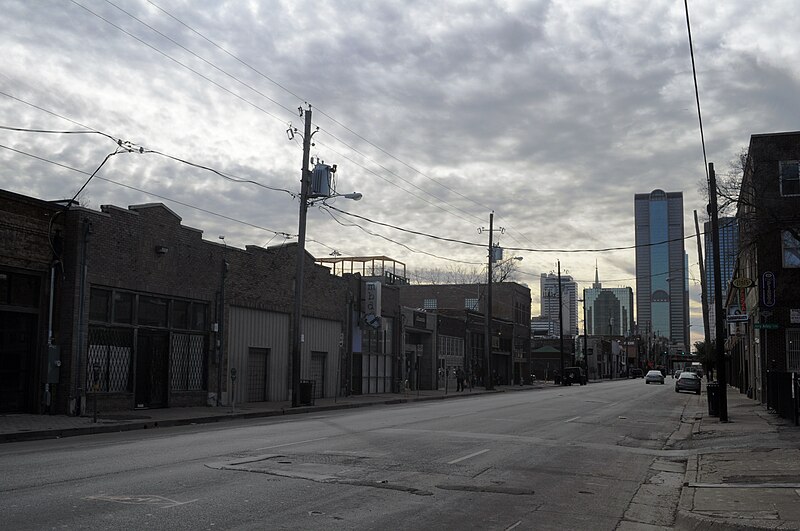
point(145, 313)
point(511, 303)
point(764, 312)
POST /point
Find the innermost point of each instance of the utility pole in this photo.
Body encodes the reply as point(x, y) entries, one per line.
point(703, 292)
point(719, 341)
point(489, 384)
point(297, 337)
point(560, 326)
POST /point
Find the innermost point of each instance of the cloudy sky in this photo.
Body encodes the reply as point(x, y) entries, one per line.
point(552, 114)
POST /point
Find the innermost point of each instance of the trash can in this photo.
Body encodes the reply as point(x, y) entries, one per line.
point(712, 392)
point(306, 392)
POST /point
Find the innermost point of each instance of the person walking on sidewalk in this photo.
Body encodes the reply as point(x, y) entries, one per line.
point(460, 379)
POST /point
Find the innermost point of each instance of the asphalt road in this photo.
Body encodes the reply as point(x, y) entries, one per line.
point(555, 458)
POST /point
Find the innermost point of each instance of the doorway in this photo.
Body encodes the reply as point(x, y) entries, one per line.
point(17, 352)
point(152, 369)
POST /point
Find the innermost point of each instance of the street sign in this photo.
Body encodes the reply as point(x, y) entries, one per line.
point(766, 326)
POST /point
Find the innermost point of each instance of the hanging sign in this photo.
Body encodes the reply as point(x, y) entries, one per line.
point(768, 289)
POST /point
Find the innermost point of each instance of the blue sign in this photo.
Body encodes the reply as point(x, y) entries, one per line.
point(768, 289)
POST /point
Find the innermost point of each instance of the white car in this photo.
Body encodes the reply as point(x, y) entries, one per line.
point(653, 377)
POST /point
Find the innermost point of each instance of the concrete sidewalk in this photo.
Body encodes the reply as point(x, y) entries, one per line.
point(23, 427)
point(743, 474)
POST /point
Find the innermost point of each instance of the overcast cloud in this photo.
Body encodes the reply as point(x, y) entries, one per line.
point(551, 113)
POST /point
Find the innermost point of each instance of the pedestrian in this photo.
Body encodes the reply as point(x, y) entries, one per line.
point(460, 379)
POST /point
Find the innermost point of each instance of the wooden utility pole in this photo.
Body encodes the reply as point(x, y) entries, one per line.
point(703, 291)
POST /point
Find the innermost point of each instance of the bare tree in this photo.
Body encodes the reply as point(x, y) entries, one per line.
point(502, 271)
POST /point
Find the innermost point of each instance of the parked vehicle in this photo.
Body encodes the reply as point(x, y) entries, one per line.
point(636, 373)
point(574, 375)
point(688, 381)
point(654, 377)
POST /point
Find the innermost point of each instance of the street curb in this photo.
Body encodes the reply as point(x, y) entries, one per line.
point(167, 423)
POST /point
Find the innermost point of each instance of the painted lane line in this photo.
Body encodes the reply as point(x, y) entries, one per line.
point(454, 461)
point(573, 418)
point(514, 526)
point(292, 443)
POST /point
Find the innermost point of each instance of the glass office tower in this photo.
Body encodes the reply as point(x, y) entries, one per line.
point(662, 295)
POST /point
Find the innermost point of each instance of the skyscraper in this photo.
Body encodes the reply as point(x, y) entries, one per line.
point(609, 311)
point(569, 298)
point(728, 252)
point(662, 294)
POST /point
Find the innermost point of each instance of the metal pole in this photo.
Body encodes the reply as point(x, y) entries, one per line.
point(301, 258)
point(489, 383)
point(585, 335)
point(560, 326)
point(719, 322)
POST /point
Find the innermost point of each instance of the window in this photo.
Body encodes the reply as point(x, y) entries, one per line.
point(471, 304)
point(429, 304)
point(153, 311)
point(123, 307)
point(793, 350)
point(198, 316)
point(99, 300)
point(180, 314)
point(791, 249)
point(790, 177)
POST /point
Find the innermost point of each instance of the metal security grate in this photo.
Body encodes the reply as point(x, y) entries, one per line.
point(793, 350)
point(109, 359)
point(187, 362)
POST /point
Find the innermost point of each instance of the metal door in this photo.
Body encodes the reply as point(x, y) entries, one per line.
point(318, 373)
point(257, 372)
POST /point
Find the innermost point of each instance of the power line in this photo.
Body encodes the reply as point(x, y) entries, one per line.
point(394, 241)
point(523, 249)
point(130, 147)
point(165, 198)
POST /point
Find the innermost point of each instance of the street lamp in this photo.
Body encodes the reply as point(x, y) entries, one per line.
point(305, 201)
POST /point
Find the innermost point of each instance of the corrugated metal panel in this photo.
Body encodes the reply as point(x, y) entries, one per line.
point(261, 329)
point(322, 335)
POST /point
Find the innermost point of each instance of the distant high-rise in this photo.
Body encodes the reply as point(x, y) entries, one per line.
point(569, 298)
point(662, 294)
point(609, 311)
point(728, 251)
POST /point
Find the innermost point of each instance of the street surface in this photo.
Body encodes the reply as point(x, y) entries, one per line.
point(583, 457)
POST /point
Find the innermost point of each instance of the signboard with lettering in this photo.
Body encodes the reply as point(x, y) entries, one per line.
point(794, 315)
point(768, 289)
point(736, 315)
point(372, 304)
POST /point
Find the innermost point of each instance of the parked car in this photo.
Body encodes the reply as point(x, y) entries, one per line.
point(574, 375)
point(636, 373)
point(688, 381)
point(677, 373)
point(654, 377)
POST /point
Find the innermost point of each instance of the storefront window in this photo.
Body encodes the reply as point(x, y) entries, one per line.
point(99, 300)
point(153, 311)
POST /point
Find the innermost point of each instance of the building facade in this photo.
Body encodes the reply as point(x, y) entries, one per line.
point(132, 308)
point(511, 331)
point(662, 294)
point(609, 311)
point(764, 313)
point(549, 303)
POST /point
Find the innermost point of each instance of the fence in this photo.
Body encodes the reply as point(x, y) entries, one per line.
point(781, 398)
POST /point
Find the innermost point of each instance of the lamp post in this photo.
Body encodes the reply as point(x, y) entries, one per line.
point(305, 184)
